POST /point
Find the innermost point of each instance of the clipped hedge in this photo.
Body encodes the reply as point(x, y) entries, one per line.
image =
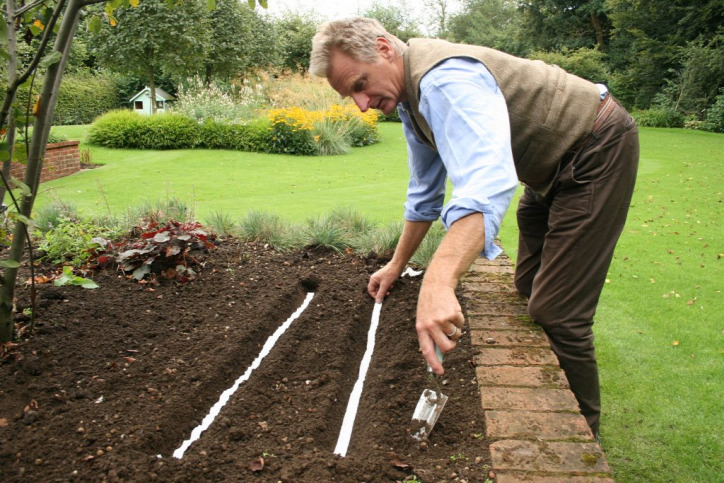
point(658, 118)
point(286, 131)
point(125, 129)
point(84, 97)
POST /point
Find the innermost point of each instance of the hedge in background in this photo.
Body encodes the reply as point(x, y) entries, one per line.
point(658, 118)
point(83, 97)
point(286, 131)
point(126, 129)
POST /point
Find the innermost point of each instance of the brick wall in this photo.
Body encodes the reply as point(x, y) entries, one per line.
point(532, 422)
point(61, 159)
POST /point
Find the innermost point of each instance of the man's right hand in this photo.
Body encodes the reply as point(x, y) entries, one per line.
point(381, 281)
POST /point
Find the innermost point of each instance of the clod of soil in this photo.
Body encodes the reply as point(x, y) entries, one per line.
point(115, 379)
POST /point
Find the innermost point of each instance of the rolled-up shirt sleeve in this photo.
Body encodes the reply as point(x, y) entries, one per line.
point(466, 111)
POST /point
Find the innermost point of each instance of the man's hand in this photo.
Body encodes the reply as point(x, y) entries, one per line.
point(439, 315)
point(439, 322)
point(381, 281)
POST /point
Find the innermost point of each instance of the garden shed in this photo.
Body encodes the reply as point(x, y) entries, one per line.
point(142, 101)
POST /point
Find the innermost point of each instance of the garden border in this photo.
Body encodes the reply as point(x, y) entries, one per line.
point(532, 421)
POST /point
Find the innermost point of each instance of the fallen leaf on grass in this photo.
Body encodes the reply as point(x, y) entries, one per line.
point(256, 465)
point(675, 343)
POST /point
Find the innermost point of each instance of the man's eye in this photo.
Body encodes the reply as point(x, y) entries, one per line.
point(358, 86)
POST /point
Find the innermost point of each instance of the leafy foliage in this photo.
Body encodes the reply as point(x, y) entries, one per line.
point(74, 241)
point(203, 101)
point(588, 63)
point(715, 115)
point(164, 250)
point(69, 278)
point(658, 118)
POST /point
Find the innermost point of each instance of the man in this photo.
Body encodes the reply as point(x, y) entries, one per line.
point(486, 119)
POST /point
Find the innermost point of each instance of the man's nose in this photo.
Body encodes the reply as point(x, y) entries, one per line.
point(362, 101)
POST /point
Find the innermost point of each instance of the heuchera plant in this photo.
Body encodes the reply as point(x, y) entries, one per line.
point(163, 250)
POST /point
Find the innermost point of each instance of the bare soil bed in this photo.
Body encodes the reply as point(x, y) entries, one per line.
point(113, 380)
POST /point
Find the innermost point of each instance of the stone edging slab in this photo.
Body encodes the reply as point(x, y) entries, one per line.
point(532, 422)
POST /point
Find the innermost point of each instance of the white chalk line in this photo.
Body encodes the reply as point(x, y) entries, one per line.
point(224, 398)
point(345, 433)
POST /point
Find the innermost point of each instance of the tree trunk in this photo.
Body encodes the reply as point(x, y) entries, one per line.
point(41, 130)
point(12, 73)
point(596, 22)
point(152, 86)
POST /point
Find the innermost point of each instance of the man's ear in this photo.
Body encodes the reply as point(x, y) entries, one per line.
point(385, 49)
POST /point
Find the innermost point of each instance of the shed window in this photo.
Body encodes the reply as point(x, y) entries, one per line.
point(159, 104)
point(138, 105)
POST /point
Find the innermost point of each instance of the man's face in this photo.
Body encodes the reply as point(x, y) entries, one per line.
point(380, 85)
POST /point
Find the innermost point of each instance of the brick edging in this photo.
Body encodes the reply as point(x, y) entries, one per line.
point(532, 421)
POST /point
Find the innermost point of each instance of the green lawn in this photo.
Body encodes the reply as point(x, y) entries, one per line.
point(659, 327)
point(372, 180)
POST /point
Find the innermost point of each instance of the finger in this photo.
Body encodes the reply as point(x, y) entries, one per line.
point(373, 288)
point(427, 348)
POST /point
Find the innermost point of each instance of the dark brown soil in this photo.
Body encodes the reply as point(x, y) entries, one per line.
point(113, 380)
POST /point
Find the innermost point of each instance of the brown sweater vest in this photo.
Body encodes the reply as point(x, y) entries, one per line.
point(550, 110)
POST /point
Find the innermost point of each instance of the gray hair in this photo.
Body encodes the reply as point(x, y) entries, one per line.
point(356, 37)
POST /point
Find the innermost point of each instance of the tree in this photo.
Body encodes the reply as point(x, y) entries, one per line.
point(49, 21)
point(572, 24)
point(238, 39)
point(656, 43)
point(153, 37)
point(492, 23)
point(396, 20)
point(295, 32)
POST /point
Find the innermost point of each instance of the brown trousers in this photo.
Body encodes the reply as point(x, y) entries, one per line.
point(566, 244)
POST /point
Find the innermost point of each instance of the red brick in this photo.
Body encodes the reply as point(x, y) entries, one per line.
point(536, 425)
point(509, 338)
point(480, 268)
point(539, 399)
point(523, 476)
point(510, 322)
point(522, 376)
point(548, 457)
point(493, 356)
point(491, 287)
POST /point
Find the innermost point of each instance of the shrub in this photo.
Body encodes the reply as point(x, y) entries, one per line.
point(168, 131)
point(117, 129)
point(200, 102)
point(394, 116)
point(584, 62)
point(714, 120)
point(262, 227)
point(164, 250)
point(332, 137)
point(324, 232)
point(253, 136)
point(83, 97)
point(292, 131)
point(74, 241)
point(307, 92)
point(658, 118)
point(300, 131)
point(52, 215)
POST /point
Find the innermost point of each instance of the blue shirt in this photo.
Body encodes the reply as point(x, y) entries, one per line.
point(466, 111)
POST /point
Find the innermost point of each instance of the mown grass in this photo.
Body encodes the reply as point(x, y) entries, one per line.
point(371, 180)
point(659, 325)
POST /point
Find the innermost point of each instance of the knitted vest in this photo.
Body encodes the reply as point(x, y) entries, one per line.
point(550, 110)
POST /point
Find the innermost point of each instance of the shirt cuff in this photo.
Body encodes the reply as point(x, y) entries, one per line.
point(452, 213)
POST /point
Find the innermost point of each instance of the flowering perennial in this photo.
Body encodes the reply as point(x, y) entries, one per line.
point(305, 132)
